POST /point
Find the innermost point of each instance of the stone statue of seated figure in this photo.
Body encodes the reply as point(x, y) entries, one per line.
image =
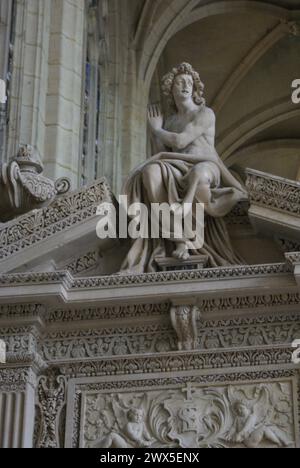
point(186, 169)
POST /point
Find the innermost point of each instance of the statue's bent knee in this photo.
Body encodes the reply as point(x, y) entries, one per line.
point(151, 174)
point(202, 174)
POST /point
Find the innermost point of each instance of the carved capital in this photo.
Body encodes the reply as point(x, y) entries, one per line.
point(184, 321)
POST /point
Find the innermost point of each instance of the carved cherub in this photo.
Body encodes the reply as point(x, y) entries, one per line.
point(130, 430)
point(252, 423)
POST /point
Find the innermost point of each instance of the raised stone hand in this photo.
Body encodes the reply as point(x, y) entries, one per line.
point(155, 117)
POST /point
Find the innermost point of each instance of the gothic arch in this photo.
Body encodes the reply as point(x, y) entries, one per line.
point(179, 15)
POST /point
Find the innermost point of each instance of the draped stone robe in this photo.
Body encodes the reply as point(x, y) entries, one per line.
point(175, 170)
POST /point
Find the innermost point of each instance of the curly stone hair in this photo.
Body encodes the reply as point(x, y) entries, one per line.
point(168, 82)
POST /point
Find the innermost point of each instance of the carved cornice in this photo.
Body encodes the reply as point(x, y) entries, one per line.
point(117, 289)
point(147, 278)
point(64, 213)
point(198, 275)
point(273, 192)
point(179, 362)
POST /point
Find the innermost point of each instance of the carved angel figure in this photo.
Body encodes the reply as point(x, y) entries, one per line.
point(131, 430)
point(253, 423)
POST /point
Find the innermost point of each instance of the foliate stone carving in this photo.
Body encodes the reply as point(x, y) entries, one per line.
point(90, 343)
point(66, 211)
point(149, 278)
point(184, 320)
point(274, 192)
point(18, 340)
point(257, 302)
point(84, 263)
point(214, 359)
point(247, 335)
point(22, 310)
point(158, 311)
point(15, 379)
point(108, 386)
point(158, 337)
point(257, 415)
point(110, 313)
point(24, 188)
point(51, 402)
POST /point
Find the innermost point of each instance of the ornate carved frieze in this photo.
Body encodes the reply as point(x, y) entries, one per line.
point(18, 340)
point(159, 311)
point(65, 212)
point(250, 302)
point(274, 192)
point(190, 415)
point(93, 343)
point(84, 263)
point(148, 278)
point(158, 337)
point(21, 310)
point(248, 332)
point(274, 205)
point(176, 362)
point(138, 311)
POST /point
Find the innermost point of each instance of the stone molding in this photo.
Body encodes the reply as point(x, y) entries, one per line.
point(64, 213)
point(274, 192)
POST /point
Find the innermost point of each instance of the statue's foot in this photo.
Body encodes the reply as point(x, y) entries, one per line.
point(181, 252)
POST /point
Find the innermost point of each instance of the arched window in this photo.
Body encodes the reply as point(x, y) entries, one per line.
point(93, 93)
point(7, 35)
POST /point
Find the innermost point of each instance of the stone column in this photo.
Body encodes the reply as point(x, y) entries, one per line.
point(63, 117)
point(29, 79)
point(17, 407)
point(5, 24)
